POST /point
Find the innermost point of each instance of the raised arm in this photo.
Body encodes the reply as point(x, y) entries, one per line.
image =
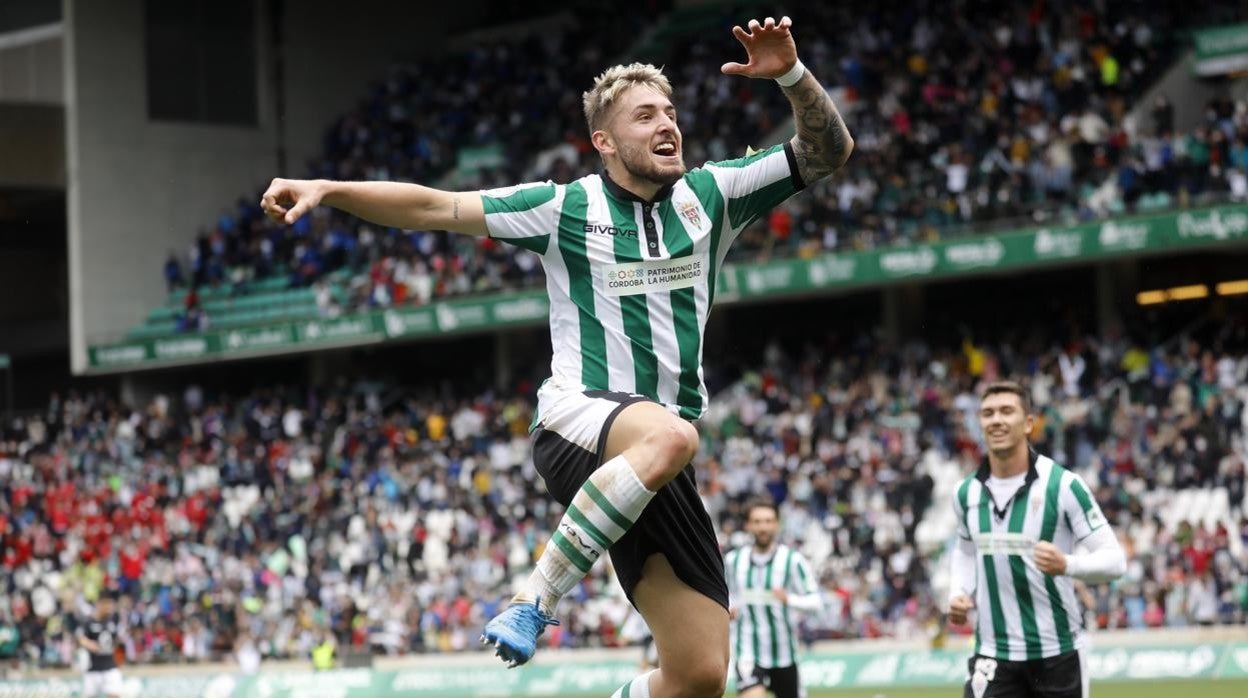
point(391, 204)
point(822, 143)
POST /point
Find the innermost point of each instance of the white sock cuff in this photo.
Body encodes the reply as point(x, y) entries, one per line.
point(626, 484)
point(641, 685)
point(560, 577)
point(637, 688)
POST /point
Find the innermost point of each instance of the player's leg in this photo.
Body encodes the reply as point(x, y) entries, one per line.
point(691, 633)
point(92, 681)
point(640, 446)
point(645, 447)
point(670, 567)
point(656, 443)
point(113, 684)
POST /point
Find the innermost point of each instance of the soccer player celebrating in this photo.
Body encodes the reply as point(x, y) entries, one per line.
point(1020, 517)
point(631, 257)
point(99, 635)
point(767, 581)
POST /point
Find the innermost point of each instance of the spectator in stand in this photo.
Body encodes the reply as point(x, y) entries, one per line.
point(399, 526)
point(964, 124)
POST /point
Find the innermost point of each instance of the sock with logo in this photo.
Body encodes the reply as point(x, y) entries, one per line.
point(607, 505)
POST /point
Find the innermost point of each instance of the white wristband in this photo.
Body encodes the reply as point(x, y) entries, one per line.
point(795, 73)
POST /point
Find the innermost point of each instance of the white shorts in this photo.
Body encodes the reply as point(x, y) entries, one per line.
point(579, 417)
point(102, 683)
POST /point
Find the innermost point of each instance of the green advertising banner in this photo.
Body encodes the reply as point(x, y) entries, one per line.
point(1220, 50)
point(821, 670)
point(518, 309)
point(1010, 251)
point(989, 253)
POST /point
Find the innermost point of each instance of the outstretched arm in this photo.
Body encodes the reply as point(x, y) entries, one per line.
point(822, 143)
point(392, 204)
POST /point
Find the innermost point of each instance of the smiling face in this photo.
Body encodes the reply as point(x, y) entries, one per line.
point(1005, 423)
point(641, 140)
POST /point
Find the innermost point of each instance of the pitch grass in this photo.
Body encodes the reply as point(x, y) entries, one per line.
point(1225, 688)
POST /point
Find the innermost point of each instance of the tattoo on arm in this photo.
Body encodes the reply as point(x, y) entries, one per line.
point(822, 143)
point(455, 212)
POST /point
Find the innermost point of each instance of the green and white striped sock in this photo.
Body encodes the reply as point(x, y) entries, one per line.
point(606, 506)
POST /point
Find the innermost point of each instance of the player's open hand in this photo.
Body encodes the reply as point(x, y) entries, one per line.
point(286, 200)
point(959, 606)
point(1049, 559)
point(768, 46)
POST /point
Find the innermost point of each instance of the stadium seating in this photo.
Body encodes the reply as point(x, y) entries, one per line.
point(1052, 138)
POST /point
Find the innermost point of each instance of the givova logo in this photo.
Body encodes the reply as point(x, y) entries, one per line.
point(609, 230)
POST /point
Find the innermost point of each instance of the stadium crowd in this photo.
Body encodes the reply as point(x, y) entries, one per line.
point(397, 520)
point(957, 124)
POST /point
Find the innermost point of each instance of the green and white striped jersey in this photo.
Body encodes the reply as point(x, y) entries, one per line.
point(1022, 613)
point(765, 631)
point(631, 282)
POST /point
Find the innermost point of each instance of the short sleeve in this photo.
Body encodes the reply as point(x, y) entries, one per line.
point(1081, 510)
point(524, 215)
point(756, 183)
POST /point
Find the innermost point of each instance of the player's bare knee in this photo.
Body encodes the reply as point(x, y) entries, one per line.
point(703, 679)
point(673, 445)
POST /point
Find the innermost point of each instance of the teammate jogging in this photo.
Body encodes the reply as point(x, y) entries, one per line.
point(1019, 519)
point(100, 635)
point(631, 258)
point(767, 581)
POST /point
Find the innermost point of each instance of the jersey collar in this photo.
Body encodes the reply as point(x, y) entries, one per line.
point(623, 194)
point(985, 470)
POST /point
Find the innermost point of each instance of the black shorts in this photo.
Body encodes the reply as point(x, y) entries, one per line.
point(783, 681)
point(674, 524)
point(1061, 676)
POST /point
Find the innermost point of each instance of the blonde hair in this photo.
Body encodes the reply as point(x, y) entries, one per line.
point(607, 87)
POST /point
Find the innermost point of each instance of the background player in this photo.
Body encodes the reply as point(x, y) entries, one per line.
point(767, 581)
point(100, 635)
point(1020, 517)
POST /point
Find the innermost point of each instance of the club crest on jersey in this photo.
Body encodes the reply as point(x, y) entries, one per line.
point(689, 210)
